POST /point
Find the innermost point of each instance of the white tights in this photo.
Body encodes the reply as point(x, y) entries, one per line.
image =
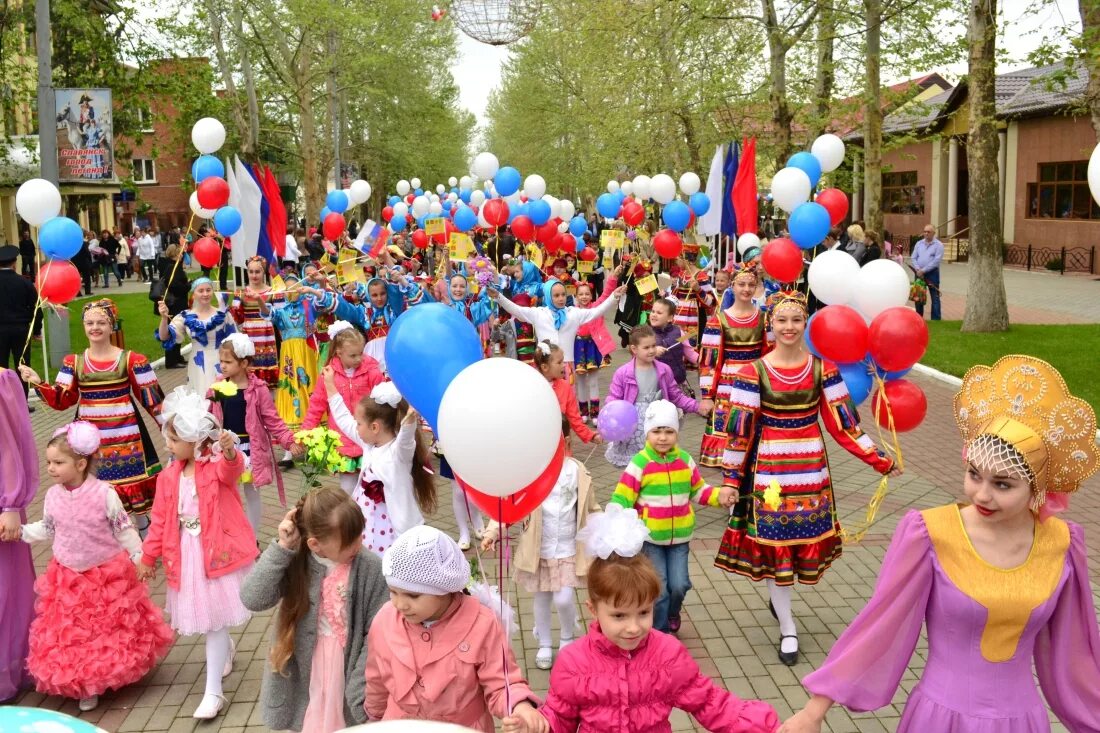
point(781, 601)
point(461, 506)
point(141, 524)
point(564, 600)
point(253, 507)
point(218, 647)
point(587, 386)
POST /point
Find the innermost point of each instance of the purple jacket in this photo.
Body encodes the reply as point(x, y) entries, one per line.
point(667, 336)
point(624, 386)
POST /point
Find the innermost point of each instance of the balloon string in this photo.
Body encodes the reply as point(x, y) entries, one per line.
point(504, 556)
point(183, 248)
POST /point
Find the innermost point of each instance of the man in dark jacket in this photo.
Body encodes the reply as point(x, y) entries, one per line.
point(27, 254)
point(18, 302)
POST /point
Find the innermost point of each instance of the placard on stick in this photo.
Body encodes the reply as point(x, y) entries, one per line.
point(461, 245)
point(612, 238)
point(646, 284)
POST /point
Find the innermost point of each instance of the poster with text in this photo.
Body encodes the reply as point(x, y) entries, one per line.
point(85, 139)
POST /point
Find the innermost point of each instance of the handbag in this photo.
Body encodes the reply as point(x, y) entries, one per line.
point(157, 290)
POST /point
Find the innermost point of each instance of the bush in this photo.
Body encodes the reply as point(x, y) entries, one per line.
point(1054, 265)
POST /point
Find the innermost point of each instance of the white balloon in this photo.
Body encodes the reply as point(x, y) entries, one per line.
point(880, 284)
point(662, 188)
point(435, 208)
point(433, 198)
point(452, 181)
point(746, 241)
point(208, 135)
point(482, 221)
point(415, 183)
point(440, 188)
point(38, 200)
point(613, 186)
point(568, 210)
point(475, 412)
point(563, 227)
point(555, 206)
point(466, 182)
point(535, 186)
point(452, 197)
point(790, 188)
point(690, 183)
point(197, 209)
point(403, 187)
point(829, 151)
point(486, 166)
point(400, 210)
point(642, 187)
point(833, 275)
point(477, 198)
point(420, 206)
point(512, 199)
point(627, 187)
point(1094, 174)
point(360, 191)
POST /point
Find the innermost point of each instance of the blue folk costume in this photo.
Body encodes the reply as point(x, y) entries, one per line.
point(203, 365)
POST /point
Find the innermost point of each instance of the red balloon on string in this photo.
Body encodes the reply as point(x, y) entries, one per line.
point(410, 198)
point(333, 226)
point(667, 244)
point(633, 213)
point(495, 212)
point(213, 192)
point(387, 213)
point(907, 405)
point(547, 233)
point(207, 252)
point(420, 239)
point(553, 245)
point(897, 338)
point(523, 228)
point(839, 333)
point(58, 281)
point(782, 259)
point(587, 254)
point(835, 202)
point(514, 508)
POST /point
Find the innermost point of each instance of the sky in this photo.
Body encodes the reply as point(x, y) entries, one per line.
point(477, 72)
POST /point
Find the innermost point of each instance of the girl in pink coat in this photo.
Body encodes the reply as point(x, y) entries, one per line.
point(593, 348)
point(200, 530)
point(624, 676)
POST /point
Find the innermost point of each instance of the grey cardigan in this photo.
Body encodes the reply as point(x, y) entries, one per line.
point(285, 697)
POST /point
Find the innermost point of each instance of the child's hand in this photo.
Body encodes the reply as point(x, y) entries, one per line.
point(146, 573)
point(289, 539)
point(597, 439)
point(617, 293)
point(162, 309)
point(661, 351)
point(228, 442)
point(28, 375)
point(727, 497)
point(525, 719)
point(329, 375)
point(801, 722)
point(411, 416)
point(10, 528)
point(706, 407)
point(488, 544)
point(298, 451)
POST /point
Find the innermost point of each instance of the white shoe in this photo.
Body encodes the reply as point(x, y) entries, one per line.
point(228, 669)
point(209, 708)
point(564, 643)
point(544, 659)
point(88, 703)
point(464, 545)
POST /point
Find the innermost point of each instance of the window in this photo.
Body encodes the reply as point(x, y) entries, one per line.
point(145, 119)
point(901, 194)
point(145, 170)
point(1062, 192)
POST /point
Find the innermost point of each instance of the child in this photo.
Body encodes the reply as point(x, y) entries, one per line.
point(395, 486)
point(297, 358)
point(661, 482)
point(437, 653)
point(201, 531)
point(355, 375)
point(592, 349)
point(252, 312)
point(624, 675)
point(318, 653)
point(722, 297)
point(249, 413)
point(95, 627)
point(549, 360)
point(672, 348)
point(643, 380)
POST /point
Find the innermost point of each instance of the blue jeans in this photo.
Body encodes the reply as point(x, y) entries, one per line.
point(671, 563)
point(932, 279)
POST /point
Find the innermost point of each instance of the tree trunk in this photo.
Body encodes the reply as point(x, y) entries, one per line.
point(1090, 41)
point(312, 181)
point(777, 94)
point(250, 143)
point(986, 305)
point(226, 70)
point(826, 71)
point(872, 119)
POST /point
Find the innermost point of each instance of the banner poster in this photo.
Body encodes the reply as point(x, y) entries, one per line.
point(85, 138)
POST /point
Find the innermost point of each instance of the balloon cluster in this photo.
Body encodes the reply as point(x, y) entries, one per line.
point(210, 199)
point(626, 200)
point(59, 238)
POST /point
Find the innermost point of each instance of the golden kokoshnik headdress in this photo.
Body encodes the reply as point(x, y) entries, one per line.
point(1018, 417)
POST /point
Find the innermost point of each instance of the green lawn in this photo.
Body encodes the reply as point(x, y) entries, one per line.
point(1072, 349)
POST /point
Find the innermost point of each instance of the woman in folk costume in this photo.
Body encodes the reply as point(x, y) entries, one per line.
point(103, 383)
point(997, 580)
point(734, 336)
point(784, 526)
point(689, 291)
point(252, 310)
point(206, 324)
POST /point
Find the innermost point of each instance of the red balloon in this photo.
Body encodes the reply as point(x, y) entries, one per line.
point(835, 202)
point(667, 244)
point(213, 192)
point(547, 233)
point(839, 333)
point(782, 259)
point(333, 226)
point(207, 252)
point(553, 245)
point(633, 213)
point(387, 213)
point(410, 198)
point(587, 254)
point(904, 402)
point(420, 239)
point(523, 228)
point(514, 508)
point(496, 212)
point(897, 338)
point(58, 281)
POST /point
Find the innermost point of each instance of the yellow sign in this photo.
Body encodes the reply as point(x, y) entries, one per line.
point(608, 259)
point(584, 266)
point(461, 246)
point(612, 238)
point(437, 225)
point(646, 284)
point(350, 271)
point(534, 254)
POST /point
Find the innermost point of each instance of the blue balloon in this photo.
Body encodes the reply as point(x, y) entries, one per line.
point(890, 376)
point(807, 162)
point(465, 219)
point(699, 203)
point(33, 719)
point(206, 166)
point(464, 194)
point(397, 223)
point(446, 204)
point(419, 192)
point(620, 196)
point(507, 181)
point(393, 200)
point(337, 201)
point(580, 245)
point(325, 211)
point(519, 209)
point(227, 220)
point(676, 215)
point(538, 212)
point(419, 368)
point(578, 226)
point(808, 224)
point(60, 238)
point(608, 206)
point(858, 380)
point(806, 337)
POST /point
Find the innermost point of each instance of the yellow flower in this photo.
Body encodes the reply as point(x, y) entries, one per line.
point(225, 388)
point(246, 477)
point(772, 495)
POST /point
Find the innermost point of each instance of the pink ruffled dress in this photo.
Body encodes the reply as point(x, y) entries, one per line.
point(325, 713)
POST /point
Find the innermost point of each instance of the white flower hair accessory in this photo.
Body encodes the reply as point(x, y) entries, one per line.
point(82, 437)
point(614, 531)
point(337, 327)
point(544, 348)
point(242, 345)
point(190, 416)
point(386, 394)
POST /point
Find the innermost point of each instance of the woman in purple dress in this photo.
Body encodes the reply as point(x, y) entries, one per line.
point(998, 582)
point(18, 484)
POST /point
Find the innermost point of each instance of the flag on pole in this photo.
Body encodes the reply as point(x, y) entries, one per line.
point(745, 204)
point(245, 195)
point(371, 238)
point(710, 223)
point(276, 219)
point(729, 169)
point(264, 246)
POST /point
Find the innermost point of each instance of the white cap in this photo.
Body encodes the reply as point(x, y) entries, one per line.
point(661, 414)
point(424, 560)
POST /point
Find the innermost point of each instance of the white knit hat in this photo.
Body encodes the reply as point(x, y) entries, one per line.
point(661, 414)
point(424, 560)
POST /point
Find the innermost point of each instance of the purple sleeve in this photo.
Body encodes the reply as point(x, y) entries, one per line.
point(867, 662)
point(18, 458)
point(673, 393)
point(1067, 650)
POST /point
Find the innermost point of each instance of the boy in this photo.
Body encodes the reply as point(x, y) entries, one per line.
point(672, 347)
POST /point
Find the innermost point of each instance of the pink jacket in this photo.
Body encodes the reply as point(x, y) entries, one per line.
point(596, 687)
point(352, 389)
point(227, 540)
point(452, 672)
point(597, 329)
point(264, 428)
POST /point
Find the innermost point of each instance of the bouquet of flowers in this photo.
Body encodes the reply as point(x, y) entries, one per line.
point(481, 268)
point(223, 390)
point(322, 454)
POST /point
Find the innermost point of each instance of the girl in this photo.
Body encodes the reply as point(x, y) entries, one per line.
point(692, 287)
point(103, 382)
point(312, 277)
point(315, 677)
point(395, 486)
point(297, 359)
point(252, 310)
point(95, 627)
point(249, 413)
point(624, 675)
point(206, 325)
point(437, 653)
point(643, 380)
point(201, 531)
point(775, 447)
point(996, 581)
point(550, 362)
point(593, 348)
point(355, 375)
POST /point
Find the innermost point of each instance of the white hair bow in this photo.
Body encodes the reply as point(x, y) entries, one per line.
point(337, 327)
point(614, 530)
point(242, 345)
point(189, 415)
point(544, 348)
point(386, 394)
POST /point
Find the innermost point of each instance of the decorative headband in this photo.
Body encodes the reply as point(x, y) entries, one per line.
point(82, 437)
point(106, 305)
